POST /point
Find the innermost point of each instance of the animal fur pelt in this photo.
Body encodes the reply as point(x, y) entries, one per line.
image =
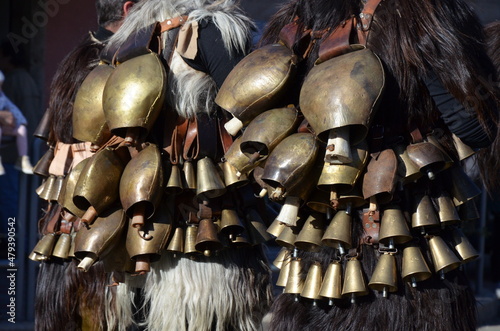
point(413, 41)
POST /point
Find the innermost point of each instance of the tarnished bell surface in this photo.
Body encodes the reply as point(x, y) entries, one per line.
point(176, 243)
point(284, 272)
point(309, 237)
point(134, 94)
point(446, 210)
point(266, 131)
point(256, 82)
point(295, 282)
point(393, 227)
point(102, 235)
point(209, 183)
point(414, 267)
point(291, 161)
point(351, 85)
point(232, 178)
point(152, 238)
point(235, 157)
point(380, 177)
point(45, 194)
point(443, 258)
point(319, 201)
point(56, 190)
point(231, 224)
point(45, 245)
point(428, 157)
point(384, 277)
point(407, 169)
point(63, 244)
point(207, 240)
point(344, 176)
point(339, 231)
point(354, 281)
point(142, 181)
point(424, 214)
point(99, 181)
point(89, 123)
point(332, 283)
point(312, 284)
point(68, 188)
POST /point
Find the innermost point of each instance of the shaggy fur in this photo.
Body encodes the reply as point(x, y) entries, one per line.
point(193, 92)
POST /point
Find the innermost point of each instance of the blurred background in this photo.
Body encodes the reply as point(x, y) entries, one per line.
point(42, 32)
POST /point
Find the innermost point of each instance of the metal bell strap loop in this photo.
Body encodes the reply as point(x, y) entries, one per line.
point(173, 146)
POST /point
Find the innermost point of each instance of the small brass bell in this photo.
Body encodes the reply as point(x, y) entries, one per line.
point(319, 201)
point(47, 188)
point(414, 267)
point(42, 131)
point(384, 277)
point(408, 171)
point(56, 189)
point(176, 243)
point(232, 177)
point(463, 187)
point(174, 184)
point(284, 272)
point(295, 283)
point(338, 233)
point(351, 200)
point(62, 246)
point(463, 247)
point(190, 241)
point(40, 188)
point(239, 161)
point(288, 236)
point(468, 211)
point(429, 158)
point(276, 228)
point(464, 151)
point(354, 281)
point(312, 284)
point(45, 246)
point(332, 283)
point(443, 258)
point(394, 228)
point(66, 195)
point(241, 240)
point(41, 168)
point(447, 212)
point(207, 240)
point(424, 214)
point(309, 237)
point(189, 175)
point(283, 255)
point(230, 223)
point(209, 181)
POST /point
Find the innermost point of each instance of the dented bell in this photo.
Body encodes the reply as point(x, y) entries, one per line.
point(351, 103)
point(134, 96)
point(89, 122)
point(408, 171)
point(255, 84)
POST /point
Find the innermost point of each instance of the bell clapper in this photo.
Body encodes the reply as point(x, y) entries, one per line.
point(430, 174)
point(142, 264)
point(341, 249)
point(207, 253)
point(353, 298)
point(334, 198)
point(315, 303)
point(348, 209)
point(262, 193)
point(338, 150)
point(89, 216)
point(233, 126)
point(413, 282)
point(330, 302)
point(385, 292)
point(329, 215)
point(391, 243)
point(373, 204)
point(254, 157)
point(87, 262)
point(441, 275)
point(138, 216)
point(131, 136)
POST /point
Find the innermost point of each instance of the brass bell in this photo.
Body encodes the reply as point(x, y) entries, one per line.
point(40, 188)
point(321, 106)
point(464, 151)
point(433, 138)
point(36, 257)
point(56, 189)
point(209, 181)
point(89, 122)
point(241, 240)
point(97, 239)
point(384, 277)
point(68, 188)
point(380, 178)
point(283, 255)
point(354, 281)
point(295, 283)
point(463, 247)
point(239, 161)
point(276, 228)
point(207, 240)
point(266, 131)
point(468, 211)
point(424, 214)
point(338, 234)
point(62, 246)
point(312, 284)
point(446, 210)
point(284, 272)
point(309, 237)
point(393, 227)
point(443, 258)
point(45, 246)
point(429, 159)
point(463, 187)
point(230, 223)
point(288, 236)
point(256, 227)
point(351, 200)
point(131, 115)
point(232, 177)
point(408, 171)
point(319, 201)
point(332, 283)
point(414, 267)
point(47, 188)
point(190, 241)
point(175, 182)
point(176, 243)
point(255, 84)
point(189, 175)
point(98, 185)
point(41, 168)
point(42, 131)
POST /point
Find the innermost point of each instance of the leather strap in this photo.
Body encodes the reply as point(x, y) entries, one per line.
point(416, 136)
point(172, 23)
point(191, 144)
point(337, 43)
point(288, 35)
point(371, 227)
point(61, 163)
point(52, 224)
point(365, 20)
point(174, 143)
